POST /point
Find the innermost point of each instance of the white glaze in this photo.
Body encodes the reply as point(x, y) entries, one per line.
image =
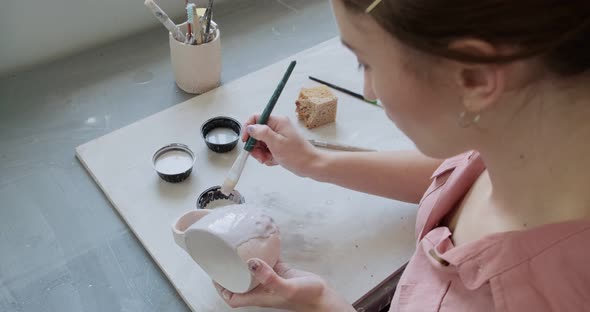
point(221, 136)
point(238, 224)
point(220, 203)
point(173, 162)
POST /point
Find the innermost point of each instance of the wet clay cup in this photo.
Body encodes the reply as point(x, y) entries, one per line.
point(221, 241)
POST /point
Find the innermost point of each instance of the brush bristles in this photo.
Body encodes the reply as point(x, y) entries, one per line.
point(228, 187)
point(190, 10)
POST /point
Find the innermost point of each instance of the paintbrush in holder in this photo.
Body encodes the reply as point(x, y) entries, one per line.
point(201, 28)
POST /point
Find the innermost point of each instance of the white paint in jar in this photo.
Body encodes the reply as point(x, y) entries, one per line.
point(221, 136)
point(174, 162)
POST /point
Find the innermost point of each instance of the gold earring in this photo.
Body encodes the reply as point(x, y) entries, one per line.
point(467, 119)
point(372, 6)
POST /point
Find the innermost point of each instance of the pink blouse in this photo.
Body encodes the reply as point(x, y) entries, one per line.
point(543, 269)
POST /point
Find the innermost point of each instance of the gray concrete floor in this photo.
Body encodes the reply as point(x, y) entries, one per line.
point(62, 246)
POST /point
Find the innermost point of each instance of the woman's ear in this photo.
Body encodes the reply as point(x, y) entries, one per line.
point(480, 84)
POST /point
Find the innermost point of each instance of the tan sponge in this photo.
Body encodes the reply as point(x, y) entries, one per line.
point(316, 106)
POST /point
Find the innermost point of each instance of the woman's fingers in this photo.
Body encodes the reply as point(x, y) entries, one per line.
point(252, 120)
point(265, 134)
point(271, 291)
point(223, 293)
point(260, 155)
point(280, 287)
point(226, 294)
point(267, 277)
point(261, 296)
point(274, 122)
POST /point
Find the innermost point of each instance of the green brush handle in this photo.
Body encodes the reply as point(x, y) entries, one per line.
point(271, 105)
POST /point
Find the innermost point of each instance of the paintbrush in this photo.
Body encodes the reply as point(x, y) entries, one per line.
point(351, 93)
point(236, 170)
point(197, 26)
point(209, 16)
point(339, 147)
point(165, 20)
point(192, 25)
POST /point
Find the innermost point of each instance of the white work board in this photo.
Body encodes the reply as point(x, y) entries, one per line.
point(353, 240)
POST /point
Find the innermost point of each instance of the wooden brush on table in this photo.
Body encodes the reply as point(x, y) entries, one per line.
point(351, 93)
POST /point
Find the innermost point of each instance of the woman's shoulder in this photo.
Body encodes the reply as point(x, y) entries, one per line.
point(544, 268)
point(460, 161)
point(450, 182)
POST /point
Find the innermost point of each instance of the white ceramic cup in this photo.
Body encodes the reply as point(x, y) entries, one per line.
point(221, 241)
point(197, 68)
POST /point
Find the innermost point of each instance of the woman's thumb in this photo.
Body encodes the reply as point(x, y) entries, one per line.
point(263, 133)
point(266, 276)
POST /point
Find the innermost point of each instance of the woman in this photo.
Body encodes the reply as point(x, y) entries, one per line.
point(501, 229)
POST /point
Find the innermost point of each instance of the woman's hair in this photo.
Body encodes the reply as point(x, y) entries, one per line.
point(557, 31)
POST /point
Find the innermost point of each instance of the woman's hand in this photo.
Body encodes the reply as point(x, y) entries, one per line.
point(279, 143)
point(285, 288)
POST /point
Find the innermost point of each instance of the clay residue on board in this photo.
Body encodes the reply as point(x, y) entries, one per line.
point(300, 228)
point(299, 244)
